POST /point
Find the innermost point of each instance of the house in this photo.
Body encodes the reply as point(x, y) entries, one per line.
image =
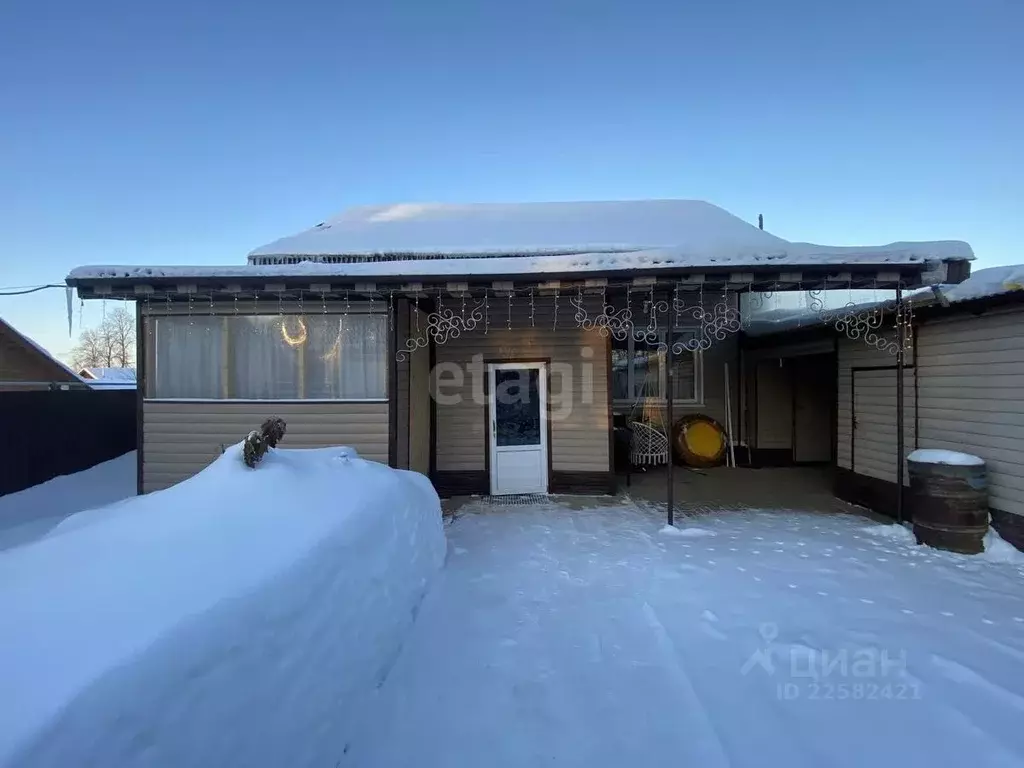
point(108, 378)
point(489, 346)
point(963, 388)
point(24, 365)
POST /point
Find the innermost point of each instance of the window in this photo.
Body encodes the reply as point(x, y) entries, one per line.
point(639, 371)
point(268, 357)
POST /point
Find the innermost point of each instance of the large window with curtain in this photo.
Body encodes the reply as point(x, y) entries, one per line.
point(268, 357)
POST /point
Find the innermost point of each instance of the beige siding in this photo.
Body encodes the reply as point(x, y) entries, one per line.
point(971, 390)
point(874, 453)
point(402, 389)
point(181, 438)
point(579, 439)
point(774, 405)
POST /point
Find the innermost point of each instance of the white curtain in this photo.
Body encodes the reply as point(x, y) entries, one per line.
point(264, 357)
point(346, 357)
point(271, 357)
point(188, 357)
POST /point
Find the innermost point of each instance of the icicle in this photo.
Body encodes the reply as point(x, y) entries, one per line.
point(70, 301)
point(344, 316)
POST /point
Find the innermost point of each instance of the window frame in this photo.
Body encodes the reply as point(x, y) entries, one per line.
point(698, 376)
point(151, 326)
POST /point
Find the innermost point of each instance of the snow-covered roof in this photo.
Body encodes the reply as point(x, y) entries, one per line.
point(110, 375)
point(693, 230)
point(993, 281)
point(985, 283)
point(39, 349)
point(485, 229)
point(797, 255)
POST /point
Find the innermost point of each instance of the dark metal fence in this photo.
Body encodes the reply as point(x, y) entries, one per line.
point(46, 434)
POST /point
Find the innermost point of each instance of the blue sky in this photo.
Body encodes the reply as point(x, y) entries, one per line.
point(195, 131)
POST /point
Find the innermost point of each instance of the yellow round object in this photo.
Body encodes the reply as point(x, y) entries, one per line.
point(704, 440)
point(699, 440)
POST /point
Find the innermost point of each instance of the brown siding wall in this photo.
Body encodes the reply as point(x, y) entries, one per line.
point(971, 396)
point(181, 438)
point(20, 364)
point(579, 441)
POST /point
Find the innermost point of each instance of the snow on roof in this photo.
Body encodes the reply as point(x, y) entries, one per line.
point(110, 375)
point(38, 348)
point(483, 229)
point(649, 260)
point(694, 229)
point(993, 281)
point(985, 283)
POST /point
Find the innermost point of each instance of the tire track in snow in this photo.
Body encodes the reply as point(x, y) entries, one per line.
point(708, 742)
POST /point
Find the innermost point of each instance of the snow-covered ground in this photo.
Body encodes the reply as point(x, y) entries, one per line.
point(240, 618)
point(592, 638)
point(29, 514)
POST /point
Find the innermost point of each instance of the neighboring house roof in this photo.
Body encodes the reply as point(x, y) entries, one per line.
point(109, 375)
point(991, 283)
point(53, 368)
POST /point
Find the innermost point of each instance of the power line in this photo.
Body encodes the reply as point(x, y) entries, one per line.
point(10, 292)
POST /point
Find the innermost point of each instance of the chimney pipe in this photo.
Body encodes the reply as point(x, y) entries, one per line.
point(760, 221)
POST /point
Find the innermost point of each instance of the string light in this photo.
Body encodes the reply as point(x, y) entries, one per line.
point(487, 313)
point(579, 303)
point(509, 324)
point(554, 325)
point(531, 308)
point(391, 310)
point(190, 306)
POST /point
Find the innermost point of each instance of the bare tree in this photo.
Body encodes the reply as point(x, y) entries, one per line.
point(119, 329)
point(110, 345)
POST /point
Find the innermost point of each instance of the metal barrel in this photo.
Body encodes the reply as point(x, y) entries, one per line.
point(949, 504)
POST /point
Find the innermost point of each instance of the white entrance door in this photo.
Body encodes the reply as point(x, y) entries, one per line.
point(518, 396)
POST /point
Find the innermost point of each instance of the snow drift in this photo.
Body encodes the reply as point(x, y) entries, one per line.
point(242, 617)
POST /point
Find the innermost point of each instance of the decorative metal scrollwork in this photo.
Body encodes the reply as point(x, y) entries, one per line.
point(617, 324)
point(443, 326)
point(865, 325)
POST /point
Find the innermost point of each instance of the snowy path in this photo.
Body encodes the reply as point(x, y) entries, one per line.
point(556, 637)
point(29, 514)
